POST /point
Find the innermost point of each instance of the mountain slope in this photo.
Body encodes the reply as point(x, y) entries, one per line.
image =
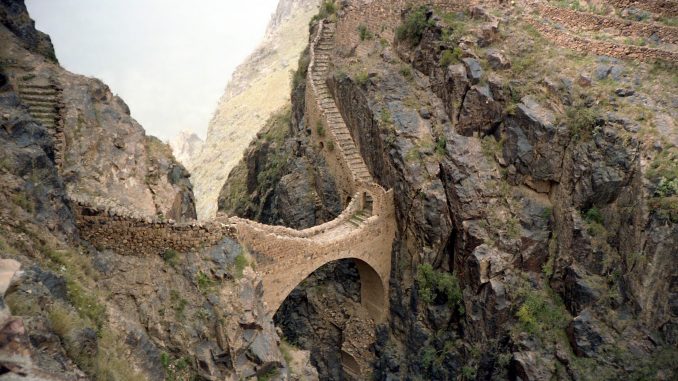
point(258, 87)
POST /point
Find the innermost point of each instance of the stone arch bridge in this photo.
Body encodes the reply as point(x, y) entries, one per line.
point(363, 232)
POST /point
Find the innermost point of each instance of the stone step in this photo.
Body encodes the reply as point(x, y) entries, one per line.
point(45, 114)
point(353, 223)
point(42, 89)
point(39, 98)
point(42, 102)
point(36, 92)
point(42, 108)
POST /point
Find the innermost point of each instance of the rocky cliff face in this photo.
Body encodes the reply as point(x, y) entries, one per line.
point(75, 312)
point(257, 89)
point(535, 200)
point(102, 153)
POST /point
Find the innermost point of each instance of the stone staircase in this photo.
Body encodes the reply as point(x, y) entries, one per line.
point(44, 100)
point(335, 121)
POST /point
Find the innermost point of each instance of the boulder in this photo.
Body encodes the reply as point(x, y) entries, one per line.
point(473, 69)
point(587, 334)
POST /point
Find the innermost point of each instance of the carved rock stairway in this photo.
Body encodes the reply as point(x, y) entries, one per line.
point(45, 105)
point(335, 121)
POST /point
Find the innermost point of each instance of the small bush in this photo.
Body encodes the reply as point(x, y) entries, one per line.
point(441, 145)
point(330, 146)
point(171, 257)
point(362, 78)
point(385, 116)
point(320, 129)
point(327, 9)
point(204, 282)
point(240, 263)
point(21, 199)
point(450, 56)
point(406, 72)
point(413, 28)
point(364, 33)
point(468, 372)
point(666, 187)
point(440, 287)
point(541, 313)
point(594, 215)
point(582, 121)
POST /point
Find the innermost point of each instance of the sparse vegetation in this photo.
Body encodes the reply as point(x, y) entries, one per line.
point(327, 9)
point(362, 78)
point(23, 201)
point(385, 116)
point(441, 145)
point(178, 304)
point(204, 282)
point(412, 30)
point(320, 129)
point(175, 369)
point(582, 121)
point(450, 57)
point(241, 262)
point(439, 287)
point(542, 313)
point(364, 33)
point(171, 257)
point(406, 71)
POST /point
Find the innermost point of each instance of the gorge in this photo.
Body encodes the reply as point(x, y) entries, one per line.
point(454, 191)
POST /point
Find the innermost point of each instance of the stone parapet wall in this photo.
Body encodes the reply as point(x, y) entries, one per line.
point(282, 231)
point(661, 7)
point(584, 21)
point(585, 45)
point(132, 236)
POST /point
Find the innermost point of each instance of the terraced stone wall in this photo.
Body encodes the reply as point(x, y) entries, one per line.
point(585, 21)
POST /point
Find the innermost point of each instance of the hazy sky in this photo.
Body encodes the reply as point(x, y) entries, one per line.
point(168, 59)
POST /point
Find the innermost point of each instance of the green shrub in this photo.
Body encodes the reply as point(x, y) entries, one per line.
point(171, 257)
point(406, 72)
point(330, 146)
point(594, 215)
point(468, 372)
point(413, 28)
point(320, 129)
point(450, 56)
point(23, 201)
point(666, 187)
point(240, 263)
point(542, 313)
point(364, 33)
point(441, 145)
point(178, 304)
point(362, 78)
point(385, 116)
point(582, 121)
point(204, 282)
point(327, 8)
point(435, 285)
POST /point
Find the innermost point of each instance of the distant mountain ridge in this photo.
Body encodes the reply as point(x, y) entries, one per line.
point(258, 87)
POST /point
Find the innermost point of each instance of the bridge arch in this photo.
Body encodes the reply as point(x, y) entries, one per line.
point(372, 287)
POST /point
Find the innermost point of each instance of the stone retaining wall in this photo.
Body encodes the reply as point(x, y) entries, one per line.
point(661, 7)
point(585, 45)
point(584, 21)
